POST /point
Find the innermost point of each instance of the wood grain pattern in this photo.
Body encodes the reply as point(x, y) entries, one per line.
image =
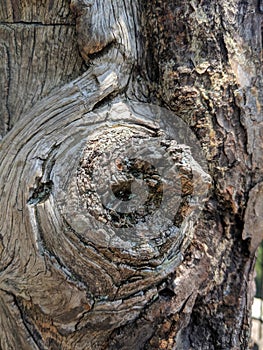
point(38, 50)
point(69, 277)
point(35, 59)
point(36, 11)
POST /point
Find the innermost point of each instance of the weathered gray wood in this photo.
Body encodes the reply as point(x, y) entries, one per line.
point(38, 51)
point(41, 12)
point(69, 278)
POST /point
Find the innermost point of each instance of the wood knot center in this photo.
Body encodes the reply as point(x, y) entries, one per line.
point(126, 200)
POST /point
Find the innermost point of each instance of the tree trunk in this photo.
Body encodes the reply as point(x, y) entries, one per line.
point(130, 173)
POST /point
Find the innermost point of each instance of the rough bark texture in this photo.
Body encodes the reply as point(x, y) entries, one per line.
point(164, 109)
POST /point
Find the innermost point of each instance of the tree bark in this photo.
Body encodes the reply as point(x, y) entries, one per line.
point(130, 173)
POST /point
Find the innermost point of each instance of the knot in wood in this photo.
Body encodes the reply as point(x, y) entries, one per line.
point(133, 180)
point(126, 191)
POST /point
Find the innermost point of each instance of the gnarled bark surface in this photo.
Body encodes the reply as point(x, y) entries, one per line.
point(131, 178)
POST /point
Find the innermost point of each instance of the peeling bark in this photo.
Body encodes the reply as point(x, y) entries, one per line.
point(130, 178)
